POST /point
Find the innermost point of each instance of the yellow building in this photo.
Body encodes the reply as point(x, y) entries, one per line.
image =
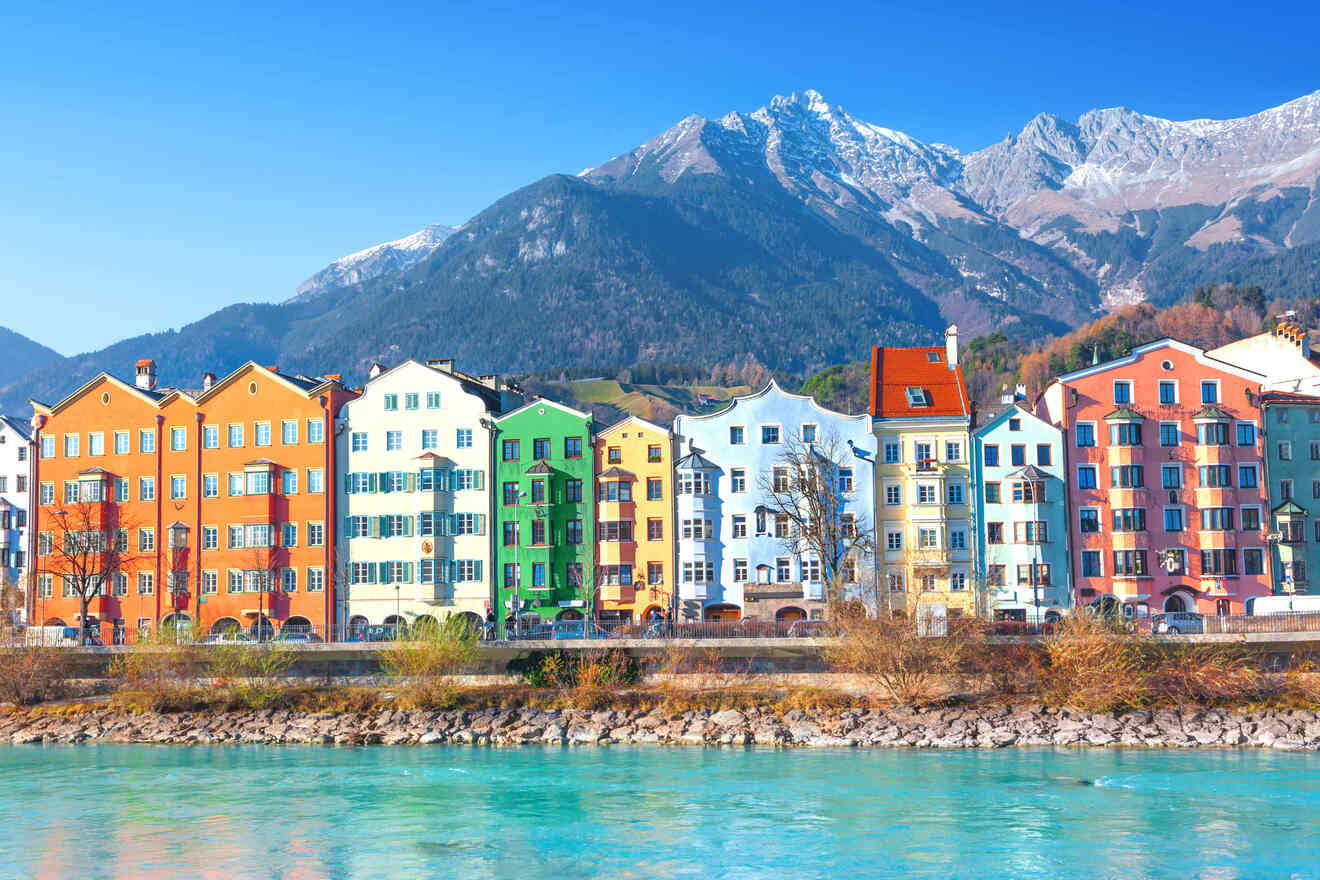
point(634, 521)
point(921, 417)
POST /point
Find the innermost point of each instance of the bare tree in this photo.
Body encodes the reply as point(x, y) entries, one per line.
point(805, 494)
point(84, 545)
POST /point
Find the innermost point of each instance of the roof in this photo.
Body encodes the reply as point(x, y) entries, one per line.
point(694, 460)
point(895, 370)
point(1290, 507)
point(1290, 397)
point(617, 472)
point(1125, 413)
point(540, 468)
point(490, 396)
point(1212, 412)
point(1031, 473)
point(544, 401)
point(622, 423)
point(771, 386)
point(17, 426)
point(1199, 354)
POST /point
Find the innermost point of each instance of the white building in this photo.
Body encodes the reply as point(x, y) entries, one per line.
point(415, 492)
point(1283, 355)
point(15, 504)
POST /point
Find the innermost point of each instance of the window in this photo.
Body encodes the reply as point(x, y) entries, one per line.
point(1091, 563)
point(541, 448)
point(1315, 447)
point(655, 529)
point(992, 493)
point(235, 436)
point(509, 450)
point(1168, 392)
point(1088, 520)
point(70, 445)
point(1087, 477)
point(783, 571)
point(146, 583)
point(1085, 434)
point(1173, 519)
point(1286, 490)
point(1253, 561)
point(573, 531)
point(954, 494)
point(146, 540)
point(846, 480)
point(1129, 519)
point(263, 433)
point(699, 572)
point(928, 538)
point(1125, 433)
point(1015, 424)
point(927, 583)
point(808, 433)
point(572, 447)
point(739, 571)
point(393, 441)
point(1127, 477)
point(289, 482)
point(769, 434)
point(1216, 476)
point(146, 488)
point(894, 579)
point(1217, 519)
point(573, 491)
point(178, 487)
point(410, 400)
point(433, 400)
point(653, 454)
point(391, 402)
point(210, 485)
point(315, 431)
point(893, 495)
point(430, 439)
point(289, 535)
point(47, 447)
point(288, 433)
point(463, 438)
point(210, 538)
point(1170, 434)
point(1285, 450)
point(994, 576)
point(357, 441)
point(916, 397)
point(1246, 434)
point(693, 483)
point(120, 441)
point(1247, 477)
point(1170, 476)
point(1251, 519)
point(957, 539)
point(893, 452)
point(256, 483)
point(1131, 563)
point(927, 493)
point(654, 489)
point(894, 540)
point(736, 435)
point(1017, 455)
point(1212, 433)
point(991, 455)
point(1122, 392)
point(924, 455)
point(779, 479)
point(1219, 562)
point(538, 491)
point(739, 526)
point(994, 533)
point(614, 455)
point(952, 450)
point(783, 528)
point(1034, 575)
point(315, 480)
point(1034, 532)
point(1209, 391)
point(1044, 454)
point(289, 580)
point(178, 439)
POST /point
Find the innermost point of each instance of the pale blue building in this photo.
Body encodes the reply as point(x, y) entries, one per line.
point(735, 557)
point(1021, 516)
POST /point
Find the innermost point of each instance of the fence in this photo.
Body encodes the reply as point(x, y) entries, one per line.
point(1268, 623)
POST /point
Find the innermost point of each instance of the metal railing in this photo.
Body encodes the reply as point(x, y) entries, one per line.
point(1299, 621)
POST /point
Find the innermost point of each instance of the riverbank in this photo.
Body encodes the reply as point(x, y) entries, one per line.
point(938, 727)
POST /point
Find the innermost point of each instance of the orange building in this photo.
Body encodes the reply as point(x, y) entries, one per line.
point(219, 500)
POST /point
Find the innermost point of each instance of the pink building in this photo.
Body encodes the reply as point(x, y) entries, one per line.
point(1165, 479)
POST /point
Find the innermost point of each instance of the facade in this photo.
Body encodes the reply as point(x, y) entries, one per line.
point(545, 546)
point(737, 558)
point(1291, 439)
point(1282, 354)
point(921, 417)
point(634, 521)
point(15, 508)
point(1021, 516)
point(415, 495)
point(217, 499)
point(1167, 500)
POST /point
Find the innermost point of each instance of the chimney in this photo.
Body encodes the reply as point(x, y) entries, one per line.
point(376, 370)
point(445, 365)
point(951, 346)
point(146, 375)
point(1021, 392)
point(208, 379)
point(334, 377)
point(490, 380)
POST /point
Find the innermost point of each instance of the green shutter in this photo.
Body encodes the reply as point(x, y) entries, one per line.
point(348, 484)
point(371, 572)
point(476, 569)
point(479, 479)
point(407, 572)
point(481, 524)
point(407, 526)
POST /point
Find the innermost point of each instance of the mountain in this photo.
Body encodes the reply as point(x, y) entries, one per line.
point(19, 355)
point(799, 234)
point(392, 256)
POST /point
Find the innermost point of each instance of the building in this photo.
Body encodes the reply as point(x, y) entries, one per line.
point(545, 546)
point(1167, 495)
point(211, 505)
point(921, 417)
point(737, 555)
point(415, 486)
point(1283, 355)
point(634, 521)
point(1019, 484)
point(15, 503)
point(1291, 438)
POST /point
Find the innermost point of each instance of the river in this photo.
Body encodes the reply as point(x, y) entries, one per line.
point(236, 812)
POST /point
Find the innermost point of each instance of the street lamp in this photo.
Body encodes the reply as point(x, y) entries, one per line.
point(869, 457)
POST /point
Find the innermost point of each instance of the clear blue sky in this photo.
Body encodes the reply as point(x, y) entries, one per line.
point(159, 162)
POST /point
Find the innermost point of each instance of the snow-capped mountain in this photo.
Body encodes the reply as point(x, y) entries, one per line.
point(392, 256)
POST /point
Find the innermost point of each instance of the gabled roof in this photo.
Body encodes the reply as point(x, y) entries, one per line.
point(694, 460)
point(539, 468)
point(1125, 414)
point(1016, 411)
point(772, 386)
point(1198, 353)
point(1212, 413)
point(618, 473)
point(94, 471)
point(304, 385)
point(17, 426)
point(634, 419)
point(895, 370)
point(490, 396)
point(1031, 473)
point(152, 397)
point(1290, 508)
point(1289, 397)
point(544, 401)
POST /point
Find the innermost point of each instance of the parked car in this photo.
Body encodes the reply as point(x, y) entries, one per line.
point(229, 637)
point(573, 629)
point(1175, 622)
point(297, 637)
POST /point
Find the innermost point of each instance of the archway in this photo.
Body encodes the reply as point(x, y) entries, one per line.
point(54, 621)
point(722, 612)
point(426, 626)
point(790, 613)
point(473, 621)
point(176, 625)
point(261, 629)
point(396, 625)
point(356, 624)
point(1175, 602)
point(569, 614)
point(225, 625)
point(296, 624)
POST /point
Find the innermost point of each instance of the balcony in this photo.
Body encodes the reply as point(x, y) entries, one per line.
point(928, 468)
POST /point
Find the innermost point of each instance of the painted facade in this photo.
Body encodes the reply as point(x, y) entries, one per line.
point(634, 521)
point(921, 417)
point(1021, 516)
point(546, 539)
point(735, 557)
point(15, 510)
point(1167, 496)
point(219, 497)
point(1292, 474)
point(415, 496)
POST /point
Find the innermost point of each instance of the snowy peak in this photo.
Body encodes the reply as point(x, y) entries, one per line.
point(392, 256)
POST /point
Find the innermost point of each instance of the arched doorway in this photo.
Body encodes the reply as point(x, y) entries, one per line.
point(296, 624)
point(790, 613)
point(177, 626)
point(54, 621)
point(356, 624)
point(262, 629)
point(1175, 602)
point(722, 612)
point(225, 625)
point(398, 627)
point(426, 626)
point(569, 614)
point(473, 620)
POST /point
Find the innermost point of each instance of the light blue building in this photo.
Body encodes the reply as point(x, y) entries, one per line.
point(1021, 516)
point(735, 556)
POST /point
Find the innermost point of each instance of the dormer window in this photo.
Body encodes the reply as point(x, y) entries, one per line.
point(933, 357)
point(916, 397)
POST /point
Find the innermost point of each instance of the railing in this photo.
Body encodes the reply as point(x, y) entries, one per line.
point(1298, 621)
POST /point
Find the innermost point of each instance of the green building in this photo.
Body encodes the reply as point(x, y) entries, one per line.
point(544, 509)
point(1292, 467)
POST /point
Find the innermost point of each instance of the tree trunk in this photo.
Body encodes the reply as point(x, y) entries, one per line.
point(82, 621)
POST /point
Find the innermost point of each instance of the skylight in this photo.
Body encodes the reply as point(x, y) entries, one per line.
point(933, 357)
point(916, 397)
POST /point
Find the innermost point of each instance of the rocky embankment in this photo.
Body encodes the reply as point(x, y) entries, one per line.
point(958, 727)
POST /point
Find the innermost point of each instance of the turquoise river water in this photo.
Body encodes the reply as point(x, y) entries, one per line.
point(237, 812)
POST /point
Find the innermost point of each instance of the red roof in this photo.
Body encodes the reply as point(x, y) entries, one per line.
point(895, 370)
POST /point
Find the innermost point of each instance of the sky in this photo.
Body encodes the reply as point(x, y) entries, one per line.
point(158, 162)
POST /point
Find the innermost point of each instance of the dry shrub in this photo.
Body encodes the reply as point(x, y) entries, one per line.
point(1009, 668)
point(249, 676)
point(1094, 666)
point(31, 674)
point(422, 665)
point(158, 674)
point(811, 699)
point(1204, 675)
point(904, 665)
point(687, 677)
